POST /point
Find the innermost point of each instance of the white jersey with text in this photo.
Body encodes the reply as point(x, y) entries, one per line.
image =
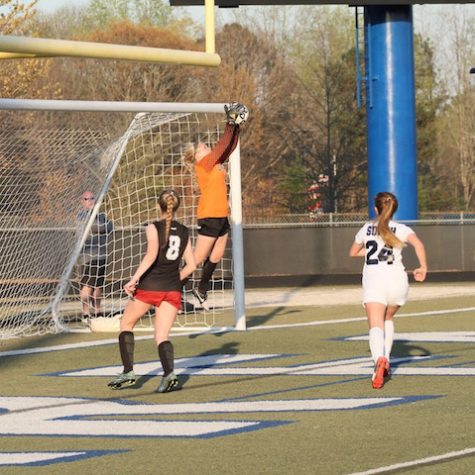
point(384, 277)
point(380, 257)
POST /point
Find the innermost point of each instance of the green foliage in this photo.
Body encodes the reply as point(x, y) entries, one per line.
point(327, 128)
point(147, 12)
point(293, 187)
point(433, 190)
point(16, 16)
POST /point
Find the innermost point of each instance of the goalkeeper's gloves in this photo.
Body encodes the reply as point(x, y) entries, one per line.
point(236, 113)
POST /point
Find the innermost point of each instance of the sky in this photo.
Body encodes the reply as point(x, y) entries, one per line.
point(51, 5)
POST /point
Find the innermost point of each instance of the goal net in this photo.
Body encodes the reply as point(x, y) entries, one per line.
point(49, 161)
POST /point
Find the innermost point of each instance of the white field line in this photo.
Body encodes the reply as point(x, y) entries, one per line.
point(361, 319)
point(111, 341)
point(415, 463)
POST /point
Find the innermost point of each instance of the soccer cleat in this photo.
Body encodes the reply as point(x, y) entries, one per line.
point(378, 375)
point(123, 380)
point(200, 297)
point(168, 383)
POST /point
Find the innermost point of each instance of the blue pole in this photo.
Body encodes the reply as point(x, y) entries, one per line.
point(390, 106)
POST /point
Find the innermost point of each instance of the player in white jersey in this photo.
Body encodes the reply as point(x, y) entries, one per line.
point(385, 281)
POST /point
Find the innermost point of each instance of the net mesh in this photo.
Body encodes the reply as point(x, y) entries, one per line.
point(47, 161)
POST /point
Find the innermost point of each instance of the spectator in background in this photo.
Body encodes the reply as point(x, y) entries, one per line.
point(93, 257)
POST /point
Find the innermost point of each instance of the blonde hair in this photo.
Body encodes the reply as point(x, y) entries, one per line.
point(188, 160)
point(169, 202)
point(386, 204)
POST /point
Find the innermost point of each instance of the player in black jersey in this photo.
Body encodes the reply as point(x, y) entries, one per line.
point(157, 282)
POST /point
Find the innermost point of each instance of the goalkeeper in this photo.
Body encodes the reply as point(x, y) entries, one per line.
point(212, 213)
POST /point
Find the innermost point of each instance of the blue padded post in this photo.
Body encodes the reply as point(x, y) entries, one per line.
point(390, 106)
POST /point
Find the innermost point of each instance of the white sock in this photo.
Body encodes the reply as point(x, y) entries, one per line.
point(376, 343)
point(388, 337)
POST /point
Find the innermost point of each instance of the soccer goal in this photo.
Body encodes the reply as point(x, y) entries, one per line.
point(124, 154)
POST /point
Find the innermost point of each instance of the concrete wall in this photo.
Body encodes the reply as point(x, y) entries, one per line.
point(323, 251)
point(305, 253)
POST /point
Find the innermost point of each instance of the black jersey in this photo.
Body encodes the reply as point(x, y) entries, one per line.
point(164, 273)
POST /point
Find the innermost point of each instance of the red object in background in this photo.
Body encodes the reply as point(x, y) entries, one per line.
point(315, 196)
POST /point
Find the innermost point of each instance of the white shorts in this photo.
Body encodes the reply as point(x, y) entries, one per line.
point(388, 288)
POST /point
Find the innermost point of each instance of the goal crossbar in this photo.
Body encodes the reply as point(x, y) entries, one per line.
point(109, 106)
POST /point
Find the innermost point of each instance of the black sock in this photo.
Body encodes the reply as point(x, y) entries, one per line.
point(206, 273)
point(126, 346)
point(165, 353)
point(184, 281)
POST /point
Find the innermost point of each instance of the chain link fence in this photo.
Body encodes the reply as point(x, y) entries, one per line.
point(348, 219)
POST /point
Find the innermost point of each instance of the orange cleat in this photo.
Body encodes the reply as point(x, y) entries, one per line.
point(378, 375)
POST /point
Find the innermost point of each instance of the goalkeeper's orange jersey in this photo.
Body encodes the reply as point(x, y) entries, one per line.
point(211, 175)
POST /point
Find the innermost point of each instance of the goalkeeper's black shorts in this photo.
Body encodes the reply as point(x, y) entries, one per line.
point(213, 227)
point(93, 273)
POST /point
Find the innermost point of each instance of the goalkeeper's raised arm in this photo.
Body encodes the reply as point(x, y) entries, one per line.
point(207, 165)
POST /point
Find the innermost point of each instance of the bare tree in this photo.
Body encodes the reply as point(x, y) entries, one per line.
point(326, 127)
point(456, 132)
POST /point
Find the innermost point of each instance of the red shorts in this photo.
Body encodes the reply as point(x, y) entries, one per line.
point(156, 297)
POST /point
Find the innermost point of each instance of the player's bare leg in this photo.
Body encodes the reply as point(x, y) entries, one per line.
point(96, 300)
point(203, 248)
point(86, 295)
point(134, 310)
point(164, 319)
point(219, 247)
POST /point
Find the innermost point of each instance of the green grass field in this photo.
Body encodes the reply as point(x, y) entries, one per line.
point(292, 395)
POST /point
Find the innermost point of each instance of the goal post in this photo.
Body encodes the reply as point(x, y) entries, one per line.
point(124, 154)
point(237, 236)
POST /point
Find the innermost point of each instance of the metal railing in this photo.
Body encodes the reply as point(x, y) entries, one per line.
point(350, 219)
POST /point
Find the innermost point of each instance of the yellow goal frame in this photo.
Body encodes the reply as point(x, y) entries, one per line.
point(26, 47)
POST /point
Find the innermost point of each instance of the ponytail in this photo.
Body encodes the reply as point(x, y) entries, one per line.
point(386, 204)
point(169, 202)
point(188, 160)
